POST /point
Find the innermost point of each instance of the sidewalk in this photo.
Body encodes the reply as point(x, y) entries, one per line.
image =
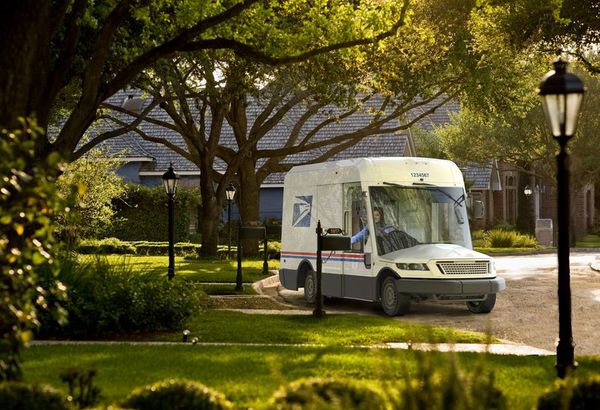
point(496, 348)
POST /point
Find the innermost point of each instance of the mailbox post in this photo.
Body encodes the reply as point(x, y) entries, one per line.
point(326, 243)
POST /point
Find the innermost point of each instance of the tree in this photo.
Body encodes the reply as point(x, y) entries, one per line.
point(96, 186)
point(62, 58)
point(430, 60)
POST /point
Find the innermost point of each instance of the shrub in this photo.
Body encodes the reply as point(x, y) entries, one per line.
point(28, 204)
point(142, 215)
point(323, 394)
point(439, 384)
point(110, 298)
point(572, 394)
point(19, 396)
point(176, 395)
point(105, 247)
point(162, 248)
point(499, 238)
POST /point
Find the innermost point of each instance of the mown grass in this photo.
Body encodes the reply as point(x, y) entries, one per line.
point(202, 270)
point(249, 375)
point(335, 330)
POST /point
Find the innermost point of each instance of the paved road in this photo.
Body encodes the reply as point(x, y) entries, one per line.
point(525, 313)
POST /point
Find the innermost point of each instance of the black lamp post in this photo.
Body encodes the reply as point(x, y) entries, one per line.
point(562, 94)
point(170, 181)
point(230, 193)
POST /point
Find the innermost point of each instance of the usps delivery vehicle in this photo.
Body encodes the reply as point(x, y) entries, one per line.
point(410, 234)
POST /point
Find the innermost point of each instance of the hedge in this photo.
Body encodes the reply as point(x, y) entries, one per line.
point(142, 214)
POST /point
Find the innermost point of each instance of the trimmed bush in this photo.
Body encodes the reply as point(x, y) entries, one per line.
point(573, 394)
point(324, 394)
point(105, 298)
point(162, 248)
point(177, 395)
point(105, 246)
point(19, 396)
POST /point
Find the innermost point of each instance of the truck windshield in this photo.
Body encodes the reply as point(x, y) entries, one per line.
point(405, 216)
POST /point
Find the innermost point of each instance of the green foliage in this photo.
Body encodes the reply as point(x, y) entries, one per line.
point(23, 396)
point(28, 205)
point(108, 298)
point(322, 394)
point(96, 186)
point(162, 248)
point(82, 390)
point(499, 238)
point(105, 246)
point(177, 395)
point(440, 384)
point(142, 215)
point(572, 393)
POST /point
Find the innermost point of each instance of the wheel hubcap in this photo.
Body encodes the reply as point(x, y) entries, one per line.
point(389, 296)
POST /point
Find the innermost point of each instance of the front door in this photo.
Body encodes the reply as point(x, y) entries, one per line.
point(358, 282)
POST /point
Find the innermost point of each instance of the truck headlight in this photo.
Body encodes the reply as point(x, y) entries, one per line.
point(412, 266)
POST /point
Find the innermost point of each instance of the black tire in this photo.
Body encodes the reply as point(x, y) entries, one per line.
point(310, 287)
point(393, 303)
point(483, 306)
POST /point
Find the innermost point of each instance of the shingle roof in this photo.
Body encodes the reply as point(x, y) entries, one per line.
point(131, 145)
point(481, 175)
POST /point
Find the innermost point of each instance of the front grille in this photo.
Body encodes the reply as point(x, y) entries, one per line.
point(464, 268)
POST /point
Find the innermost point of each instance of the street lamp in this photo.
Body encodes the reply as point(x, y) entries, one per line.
point(562, 94)
point(230, 193)
point(170, 181)
point(527, 191)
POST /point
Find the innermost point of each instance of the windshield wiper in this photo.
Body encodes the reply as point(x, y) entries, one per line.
point(457, 202)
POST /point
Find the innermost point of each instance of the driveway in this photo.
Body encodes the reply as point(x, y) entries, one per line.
point(526, 312)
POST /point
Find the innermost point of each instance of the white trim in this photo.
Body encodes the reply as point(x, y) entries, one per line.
point(271, 185)
point(159, 173)
point(135, 159)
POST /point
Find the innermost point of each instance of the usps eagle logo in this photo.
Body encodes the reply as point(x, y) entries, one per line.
point(302, 211)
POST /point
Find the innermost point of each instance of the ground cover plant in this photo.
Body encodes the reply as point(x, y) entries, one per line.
point(105, 299)
point(249, 375)
point(200, 270)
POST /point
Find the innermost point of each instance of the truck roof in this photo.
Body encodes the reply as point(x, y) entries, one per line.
point(407, 170)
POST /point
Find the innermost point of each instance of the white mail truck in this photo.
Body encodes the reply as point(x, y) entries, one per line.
point(410, 234)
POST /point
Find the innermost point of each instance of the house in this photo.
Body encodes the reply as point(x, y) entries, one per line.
point(500, 187)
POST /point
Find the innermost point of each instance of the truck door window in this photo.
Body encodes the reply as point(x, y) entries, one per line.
point(354, 212)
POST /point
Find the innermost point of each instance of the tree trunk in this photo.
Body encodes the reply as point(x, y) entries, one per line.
point(209, 213)
point(24, 60)
point(249, 203)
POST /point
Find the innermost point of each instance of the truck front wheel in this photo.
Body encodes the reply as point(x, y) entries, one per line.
point(483, 306)
point(392, 302)
point(310, 287)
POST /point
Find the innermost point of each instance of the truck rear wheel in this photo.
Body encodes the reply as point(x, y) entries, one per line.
point(393, 302)
point(483, 306)
point(310, 287)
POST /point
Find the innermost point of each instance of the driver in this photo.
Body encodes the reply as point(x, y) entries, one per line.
point(380, 228)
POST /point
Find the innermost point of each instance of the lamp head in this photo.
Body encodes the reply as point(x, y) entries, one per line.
point(562, 94)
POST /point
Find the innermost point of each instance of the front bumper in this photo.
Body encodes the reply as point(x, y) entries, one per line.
point(450, 287)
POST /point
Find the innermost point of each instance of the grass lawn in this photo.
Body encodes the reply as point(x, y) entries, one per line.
point(335, 330)
point(202, 270)
point(250, 375)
